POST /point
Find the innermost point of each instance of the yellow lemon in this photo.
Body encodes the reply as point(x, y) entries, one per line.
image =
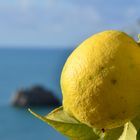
point(100, 80)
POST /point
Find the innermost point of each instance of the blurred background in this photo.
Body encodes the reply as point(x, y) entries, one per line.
point(36, 38)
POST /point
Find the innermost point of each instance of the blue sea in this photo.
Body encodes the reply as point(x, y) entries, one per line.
point(23, 68)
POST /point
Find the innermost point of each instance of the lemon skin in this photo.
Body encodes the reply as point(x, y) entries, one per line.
point(100, 80)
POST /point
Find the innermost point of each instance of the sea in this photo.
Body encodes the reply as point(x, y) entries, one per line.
point(24, 68)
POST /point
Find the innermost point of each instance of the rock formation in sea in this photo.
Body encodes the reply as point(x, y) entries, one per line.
point(35, 96)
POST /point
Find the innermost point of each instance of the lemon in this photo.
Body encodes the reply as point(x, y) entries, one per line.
point(100, 80)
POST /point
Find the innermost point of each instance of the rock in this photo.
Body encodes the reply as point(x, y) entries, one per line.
point(35, 96)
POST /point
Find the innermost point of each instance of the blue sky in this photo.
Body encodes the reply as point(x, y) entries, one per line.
point(61, 23)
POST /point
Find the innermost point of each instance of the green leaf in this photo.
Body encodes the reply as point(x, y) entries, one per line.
point(68, 125)
point(129, 132)
point(114, 134)
point(126, 132)
point(136, 122)
point(75, 130)
point(138, 135)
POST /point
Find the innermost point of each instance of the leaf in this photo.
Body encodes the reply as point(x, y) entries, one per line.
point(60, 116)
point(126, 132)
point(75, 130)
point(136, 122)
point(129, 132)
point(114, 134)
point(138, 135)
point(68, 125)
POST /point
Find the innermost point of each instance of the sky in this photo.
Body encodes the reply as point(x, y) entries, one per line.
point(62, 23)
